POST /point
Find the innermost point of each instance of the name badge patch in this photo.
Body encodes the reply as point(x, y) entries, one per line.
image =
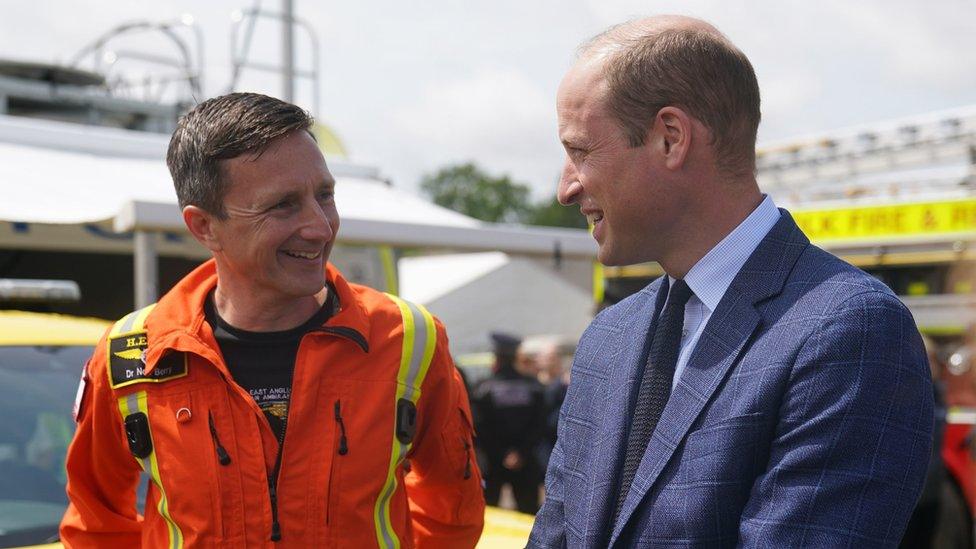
point(127, 362)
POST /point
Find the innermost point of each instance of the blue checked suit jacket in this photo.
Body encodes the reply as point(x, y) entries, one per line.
point(802, 419)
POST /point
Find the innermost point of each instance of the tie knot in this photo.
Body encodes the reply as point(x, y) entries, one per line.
point(679, 294)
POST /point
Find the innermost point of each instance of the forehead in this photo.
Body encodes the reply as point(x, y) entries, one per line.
point(288, 162)
point(581, 94)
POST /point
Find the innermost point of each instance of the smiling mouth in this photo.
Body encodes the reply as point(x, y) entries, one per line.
point(594, 218)
point(304, 255)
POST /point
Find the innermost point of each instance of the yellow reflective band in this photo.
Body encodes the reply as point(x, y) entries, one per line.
point(130, 404)
point(131, 323)
point(599, 283)
point(419, 341)
point(117, 327)
point(389, 269)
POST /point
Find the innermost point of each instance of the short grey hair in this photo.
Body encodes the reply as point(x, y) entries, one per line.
point(694, 67)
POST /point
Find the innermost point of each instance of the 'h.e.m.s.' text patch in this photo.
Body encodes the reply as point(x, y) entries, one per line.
point(127, 362)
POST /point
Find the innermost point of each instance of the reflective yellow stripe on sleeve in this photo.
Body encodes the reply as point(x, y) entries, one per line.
point(131, 404)
point(419, 340)
point(133, 322)
point(388, 261)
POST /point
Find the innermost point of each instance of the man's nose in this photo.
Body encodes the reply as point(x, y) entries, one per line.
point(316, 222)
point(569, 187)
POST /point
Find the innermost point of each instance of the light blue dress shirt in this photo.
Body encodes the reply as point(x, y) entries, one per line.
point(711, 276)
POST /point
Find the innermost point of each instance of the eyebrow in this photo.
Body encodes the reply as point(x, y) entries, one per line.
point(273, 198)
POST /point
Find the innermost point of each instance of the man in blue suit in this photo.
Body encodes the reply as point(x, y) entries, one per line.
point(764, 393)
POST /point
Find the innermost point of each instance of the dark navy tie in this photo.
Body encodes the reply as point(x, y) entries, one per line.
point(655, 385)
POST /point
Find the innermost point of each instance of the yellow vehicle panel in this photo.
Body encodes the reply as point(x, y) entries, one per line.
point(505, 529)
point(24, 328)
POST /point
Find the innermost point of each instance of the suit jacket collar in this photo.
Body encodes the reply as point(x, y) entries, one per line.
point(728, 330)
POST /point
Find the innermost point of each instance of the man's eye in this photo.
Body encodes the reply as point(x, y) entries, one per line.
point(326, 196)
point(283, 205)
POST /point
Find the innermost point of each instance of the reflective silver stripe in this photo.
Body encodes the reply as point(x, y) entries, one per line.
point(129, 321)
point(132, 401)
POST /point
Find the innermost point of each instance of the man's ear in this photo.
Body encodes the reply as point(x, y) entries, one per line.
point(201, 225)
point(672, 131)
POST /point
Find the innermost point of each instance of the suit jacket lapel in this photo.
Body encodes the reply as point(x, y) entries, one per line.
point(625, 373)
point(728, 330)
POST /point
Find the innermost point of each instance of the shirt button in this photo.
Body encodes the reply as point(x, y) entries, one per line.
point(684, 333)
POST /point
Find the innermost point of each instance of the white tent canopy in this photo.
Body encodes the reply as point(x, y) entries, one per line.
point(61, 173)
point(86, 183)
point(478, 293)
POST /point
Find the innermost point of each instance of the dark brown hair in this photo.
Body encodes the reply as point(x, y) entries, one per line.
point(694, 69)
point(221, 128)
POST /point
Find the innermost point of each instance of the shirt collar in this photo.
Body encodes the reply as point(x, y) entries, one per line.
point(713, 274)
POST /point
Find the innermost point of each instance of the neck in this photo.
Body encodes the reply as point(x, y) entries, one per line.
point(249, 311)
point(711, 222)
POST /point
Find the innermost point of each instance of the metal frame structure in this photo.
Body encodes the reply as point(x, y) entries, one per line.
point(98, 54)
point(933, 154)
point(240, 51)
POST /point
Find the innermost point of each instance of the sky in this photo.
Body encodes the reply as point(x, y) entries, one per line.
point(411, 87)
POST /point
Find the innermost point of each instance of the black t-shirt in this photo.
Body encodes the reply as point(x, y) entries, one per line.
point(263, 362)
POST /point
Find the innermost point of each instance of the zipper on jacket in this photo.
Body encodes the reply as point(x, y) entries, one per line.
point(273, 478)
point(343, 446)
point(467, 459)
point(222, 456)
point(273, 489)
point(347, 333)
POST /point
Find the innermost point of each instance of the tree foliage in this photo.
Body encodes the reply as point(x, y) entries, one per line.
point(467, 189)
point(553, 214)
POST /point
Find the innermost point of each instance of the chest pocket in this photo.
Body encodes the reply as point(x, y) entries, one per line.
point(193, 460)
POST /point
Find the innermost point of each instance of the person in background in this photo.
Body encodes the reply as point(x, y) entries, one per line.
point(510, 412)
point(549, 357)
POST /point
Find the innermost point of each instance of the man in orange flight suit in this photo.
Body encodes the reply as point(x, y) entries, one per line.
point(270, 402)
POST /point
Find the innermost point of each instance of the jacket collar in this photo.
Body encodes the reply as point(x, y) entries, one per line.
point(178, 320)
point(729, 329)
